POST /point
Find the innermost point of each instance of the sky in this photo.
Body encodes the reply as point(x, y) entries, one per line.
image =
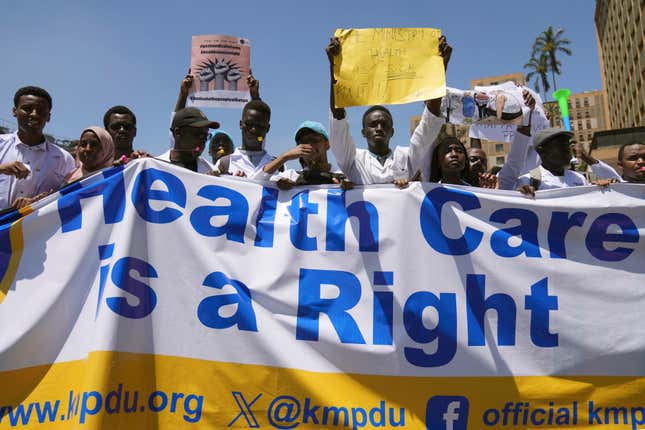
point(91, 54)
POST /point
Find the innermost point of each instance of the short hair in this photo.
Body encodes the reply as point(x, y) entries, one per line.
point(621, 150)
point(375, 108)
point(259, 106)
point(32, 91)
point(120, 110)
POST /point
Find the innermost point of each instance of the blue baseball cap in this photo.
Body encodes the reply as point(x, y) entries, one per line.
point(213, 135)
point(314, 126)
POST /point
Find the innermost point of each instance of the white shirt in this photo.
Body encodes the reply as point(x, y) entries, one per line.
point(603, 170)
point(522, 158)
point(363, 167)
point(203, 165)
point(549, 181)
point(48, 164)
point(240, 161)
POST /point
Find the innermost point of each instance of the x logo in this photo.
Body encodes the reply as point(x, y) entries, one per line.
point(245, 409)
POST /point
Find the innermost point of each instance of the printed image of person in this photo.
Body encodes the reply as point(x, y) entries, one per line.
point(312, 144)
point(379, 164)
point(95, 151)
point(30, 165)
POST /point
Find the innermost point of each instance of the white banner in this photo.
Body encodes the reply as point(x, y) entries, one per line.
point(241, 283)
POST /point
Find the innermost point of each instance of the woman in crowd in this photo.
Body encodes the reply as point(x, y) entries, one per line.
point(95, 151)
point(449, 164)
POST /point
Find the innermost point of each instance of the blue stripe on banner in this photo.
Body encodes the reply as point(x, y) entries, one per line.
point(8, 216)
point(5, 249)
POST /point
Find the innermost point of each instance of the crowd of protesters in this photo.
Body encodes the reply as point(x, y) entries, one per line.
point(32, 167)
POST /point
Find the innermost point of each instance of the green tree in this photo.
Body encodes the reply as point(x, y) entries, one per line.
point(539, 69)
point(551, 43)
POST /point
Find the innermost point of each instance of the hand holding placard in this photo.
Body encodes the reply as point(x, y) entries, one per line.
point(388, 66)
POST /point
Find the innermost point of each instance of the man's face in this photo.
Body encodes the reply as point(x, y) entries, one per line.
point(633, 163)
point(191, 140)
point(220, 146)
point(254, 125)
point(318, 158)
point(378, 130)
point(478, 161)
point(122, 129)
point(556, 152)
point(31, 113)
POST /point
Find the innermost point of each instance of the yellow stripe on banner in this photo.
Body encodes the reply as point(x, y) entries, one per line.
point(17, 246)
point(113, 390)
point(25, 210)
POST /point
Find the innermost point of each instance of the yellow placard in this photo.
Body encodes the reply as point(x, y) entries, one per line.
point(388, 66)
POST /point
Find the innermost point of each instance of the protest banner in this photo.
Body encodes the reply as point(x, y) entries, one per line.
point(220, 66)
point(388, 66)
point(493, 112)
point(154, 297)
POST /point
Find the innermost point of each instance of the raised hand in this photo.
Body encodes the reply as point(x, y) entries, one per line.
point(205, 76)
point(254, 86)
point(220, 69)
point(333, 49)
point(301, 151)
point(186, 83)
point(445, 51)
point(232, 76)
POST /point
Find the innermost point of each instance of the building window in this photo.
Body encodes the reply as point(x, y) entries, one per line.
point(586, 102)
point(499, 147)
point(588, 124)
point(499, 161)
point(578, 103)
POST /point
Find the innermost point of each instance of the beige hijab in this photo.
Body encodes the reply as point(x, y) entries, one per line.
point(105, 157)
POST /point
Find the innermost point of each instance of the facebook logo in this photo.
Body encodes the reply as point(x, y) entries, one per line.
point(447, 413)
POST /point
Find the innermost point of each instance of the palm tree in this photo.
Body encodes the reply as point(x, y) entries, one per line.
point(539, 69)
point(550, 43)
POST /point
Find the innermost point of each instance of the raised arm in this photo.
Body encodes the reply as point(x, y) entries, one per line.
point(517, 156)
point(254, 86)
point(184, 88)
point(299, 151)
point(600, 169)
point(423, 140)
point(340, 139)
point(333, 51)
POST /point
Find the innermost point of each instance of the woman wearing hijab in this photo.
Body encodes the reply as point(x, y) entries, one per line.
point(95, 151)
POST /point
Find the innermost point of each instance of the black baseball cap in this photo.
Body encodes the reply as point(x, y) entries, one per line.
point(192, 117)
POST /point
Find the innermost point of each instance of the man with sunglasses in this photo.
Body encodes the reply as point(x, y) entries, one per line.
point(121, 123)
point(189, 130)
